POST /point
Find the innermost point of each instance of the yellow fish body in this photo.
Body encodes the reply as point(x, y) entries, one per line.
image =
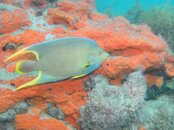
point(61, 59)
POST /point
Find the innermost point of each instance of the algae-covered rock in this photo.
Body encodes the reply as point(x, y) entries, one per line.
point(10, 114)
point(113, 107)
point(161, 20)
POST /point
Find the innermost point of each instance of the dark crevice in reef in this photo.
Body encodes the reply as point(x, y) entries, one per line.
point(153, 92)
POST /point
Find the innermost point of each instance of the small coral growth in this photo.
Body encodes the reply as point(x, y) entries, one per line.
point(12, 18)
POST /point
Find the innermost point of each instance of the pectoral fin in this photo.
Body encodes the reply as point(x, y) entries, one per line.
point(86, 65)
point(40, 79)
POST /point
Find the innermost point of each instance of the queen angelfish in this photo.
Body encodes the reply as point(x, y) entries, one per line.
point(64, 58)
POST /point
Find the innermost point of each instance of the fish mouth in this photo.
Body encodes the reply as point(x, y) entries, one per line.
point(104, 56)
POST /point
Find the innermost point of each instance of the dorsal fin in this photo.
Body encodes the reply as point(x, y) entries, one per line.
point(23, 51)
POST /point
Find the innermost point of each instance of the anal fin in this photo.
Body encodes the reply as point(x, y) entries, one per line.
point(40, 79)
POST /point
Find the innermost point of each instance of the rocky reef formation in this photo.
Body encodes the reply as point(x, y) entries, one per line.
point(27, 22)
point(123, 107)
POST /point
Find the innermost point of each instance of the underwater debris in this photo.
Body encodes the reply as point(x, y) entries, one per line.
point(11, 46)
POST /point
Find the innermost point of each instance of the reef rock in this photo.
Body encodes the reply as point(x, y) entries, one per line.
point(12, 18)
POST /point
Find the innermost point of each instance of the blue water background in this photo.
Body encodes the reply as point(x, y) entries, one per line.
point(120, 7)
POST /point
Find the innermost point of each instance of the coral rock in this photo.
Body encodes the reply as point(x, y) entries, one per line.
point(97, 16)
point(67, 95)
point(34, 3)
point(25, 121)
point(17, 3)
point(170, 59)
point(57, 16)
point(69, 13)
point(132, 47)
point(68, 6)
point(12, 21)
point(79, 25)
point(154, 80)
point(169, 70)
